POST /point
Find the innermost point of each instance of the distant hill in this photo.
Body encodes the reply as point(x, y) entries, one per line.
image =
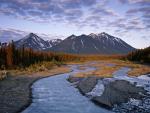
point(35, 42)
point(102, 43)
point(140, 55)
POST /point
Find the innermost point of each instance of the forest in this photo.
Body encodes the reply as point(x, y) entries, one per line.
point(12, 57)
point(139, 55)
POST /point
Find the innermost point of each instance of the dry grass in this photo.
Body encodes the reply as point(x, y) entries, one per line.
point(102, 70)
point(77, 62)
point(41, 69)
point(53, 71)
point(136, 69)
point(139, 71)
point(105, 70)
point(84, 74)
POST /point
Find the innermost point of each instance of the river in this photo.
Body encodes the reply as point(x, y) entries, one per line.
point(56, 95)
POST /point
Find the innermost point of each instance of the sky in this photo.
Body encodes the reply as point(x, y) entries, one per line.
point(125, 19)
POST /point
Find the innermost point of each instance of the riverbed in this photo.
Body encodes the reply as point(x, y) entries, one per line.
point(56, 95)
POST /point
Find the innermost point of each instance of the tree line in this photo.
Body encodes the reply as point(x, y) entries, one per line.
point(140, 55)
point(12, 57)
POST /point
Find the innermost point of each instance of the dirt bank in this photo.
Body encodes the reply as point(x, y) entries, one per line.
point(15, 91)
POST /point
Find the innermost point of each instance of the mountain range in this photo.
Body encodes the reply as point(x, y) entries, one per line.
point(101, 43)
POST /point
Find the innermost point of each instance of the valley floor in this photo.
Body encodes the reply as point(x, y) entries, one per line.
point(15, 91)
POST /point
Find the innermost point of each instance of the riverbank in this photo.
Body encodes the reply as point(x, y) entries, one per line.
point(106, 68)
point(132, 93)
point(15, 90)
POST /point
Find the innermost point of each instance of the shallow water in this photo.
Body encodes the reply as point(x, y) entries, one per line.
point(56, 95)
point(143, 80)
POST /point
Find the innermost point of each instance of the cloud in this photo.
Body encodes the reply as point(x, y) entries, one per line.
point(123, 1)
point(144, 14)
point(139, 10)
point(104, 11)
point(9, 34)
point(44, 7)
point(126, 25)
point(137, 2)
point(50, 10)
point(146, 38)
point(140, 2)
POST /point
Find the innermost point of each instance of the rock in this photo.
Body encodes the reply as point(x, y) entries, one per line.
point(87, 84)
point(117, 92)
point(74, 79)
point(142, 107)
point(4, 74)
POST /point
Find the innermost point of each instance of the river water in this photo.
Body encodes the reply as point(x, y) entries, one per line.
point(56, 95)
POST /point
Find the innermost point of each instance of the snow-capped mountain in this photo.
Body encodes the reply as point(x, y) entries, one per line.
point(53, 42)
point(102, 43)
point(35, 42)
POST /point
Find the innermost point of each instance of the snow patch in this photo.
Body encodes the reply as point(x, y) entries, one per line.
point(97, 90)
point(93, 35)
point(117, 39)
point(95, 47)
point(134, 101)
point(72, 37)
point(82, 43)
point(41, 44)
point(73, 45)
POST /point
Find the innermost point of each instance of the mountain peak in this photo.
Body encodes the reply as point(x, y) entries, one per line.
point(99, 35)
point(55, 40)
point(31, 34)
point(35, 42)
point(72, 36)
point(93, 35)
point(103, 33)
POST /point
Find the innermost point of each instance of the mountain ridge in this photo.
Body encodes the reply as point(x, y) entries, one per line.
point(35, 42)
point(101, 43)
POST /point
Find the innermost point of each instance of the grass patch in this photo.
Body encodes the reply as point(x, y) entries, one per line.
point(104, 70)
point(42, 67)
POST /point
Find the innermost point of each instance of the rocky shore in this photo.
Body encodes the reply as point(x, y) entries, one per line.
point(119, 91)
point(112, 93)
